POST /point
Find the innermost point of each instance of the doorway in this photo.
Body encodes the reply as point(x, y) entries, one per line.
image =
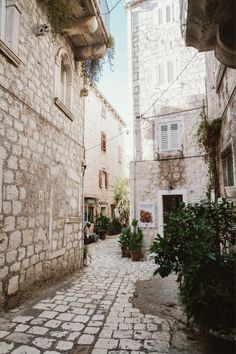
point(168, 201)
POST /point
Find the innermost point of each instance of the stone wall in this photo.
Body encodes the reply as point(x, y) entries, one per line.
point(181, 99)
point(221, 91)
point(41, 150)
point(100, 116)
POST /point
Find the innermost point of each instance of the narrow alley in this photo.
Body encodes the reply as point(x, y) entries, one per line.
point(94, 314)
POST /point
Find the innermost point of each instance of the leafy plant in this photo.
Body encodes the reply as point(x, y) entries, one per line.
point(197, 247)
point(124, 239)
point(102, 222)
point(115, 227)
point(208, 135)
point(135, 237)
point(60, 14)
point(121, 196)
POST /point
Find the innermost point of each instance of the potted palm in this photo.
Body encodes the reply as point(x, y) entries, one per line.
point(124, 241)
point(135, 241)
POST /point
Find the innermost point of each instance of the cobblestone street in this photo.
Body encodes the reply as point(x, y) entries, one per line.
point(93, 315)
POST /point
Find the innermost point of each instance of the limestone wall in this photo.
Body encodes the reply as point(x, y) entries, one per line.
point(221, 91)
point(157, 98)
point(41, 151)
point(101, 117)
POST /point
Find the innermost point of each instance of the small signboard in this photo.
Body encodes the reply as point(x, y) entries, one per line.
point(146, 216)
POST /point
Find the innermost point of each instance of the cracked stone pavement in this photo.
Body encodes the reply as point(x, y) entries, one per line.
point(93, 315)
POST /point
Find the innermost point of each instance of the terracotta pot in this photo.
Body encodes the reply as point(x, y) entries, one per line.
point(136, 255)
point(125, 252)
point(102, 234)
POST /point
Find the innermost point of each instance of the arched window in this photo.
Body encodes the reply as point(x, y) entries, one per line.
point(64, 83)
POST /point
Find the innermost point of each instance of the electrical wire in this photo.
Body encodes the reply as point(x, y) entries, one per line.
point(112, 138)
point(172, 83)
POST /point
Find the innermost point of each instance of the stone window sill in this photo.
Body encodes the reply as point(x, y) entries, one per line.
point(11, 56)
point(63, 108)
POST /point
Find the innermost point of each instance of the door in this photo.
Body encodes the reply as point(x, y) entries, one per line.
point(170, 203)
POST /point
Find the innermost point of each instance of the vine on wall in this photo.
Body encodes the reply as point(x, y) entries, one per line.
point(208, 136)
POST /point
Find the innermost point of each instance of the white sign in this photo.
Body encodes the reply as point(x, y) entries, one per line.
point(146, 216)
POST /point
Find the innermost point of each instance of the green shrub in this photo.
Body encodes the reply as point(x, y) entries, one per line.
point(115, 227)
point(197, 247)
point(136, 236)
point(124, 239)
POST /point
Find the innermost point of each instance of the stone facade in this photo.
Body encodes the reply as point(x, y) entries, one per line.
point(110, 160)
point(221, 92)
point(41, 152)
point(167, 82)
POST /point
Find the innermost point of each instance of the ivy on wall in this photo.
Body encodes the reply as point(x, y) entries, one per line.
point(208, 136)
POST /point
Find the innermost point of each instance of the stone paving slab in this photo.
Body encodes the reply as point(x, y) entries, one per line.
point(94, 315)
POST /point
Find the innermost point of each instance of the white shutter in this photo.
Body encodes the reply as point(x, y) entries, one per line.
point(170, 71)
point(160, 17)
point(164, 137)
point(168, 14)
point(2, 19)
point(160, 74)
point(174, 136)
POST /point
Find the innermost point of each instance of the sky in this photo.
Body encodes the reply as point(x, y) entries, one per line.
point(114, 84)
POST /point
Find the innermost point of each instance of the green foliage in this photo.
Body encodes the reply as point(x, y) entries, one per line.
point(60, 14)
point(208, 135)
point(136, 236)
point(114, 227)
point(124, 239)
point(197, 247)
point(121, 196)
point(102, 223)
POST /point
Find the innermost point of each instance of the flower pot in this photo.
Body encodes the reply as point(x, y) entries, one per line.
point(102, 234)
point(136, 255)
point(125, 252)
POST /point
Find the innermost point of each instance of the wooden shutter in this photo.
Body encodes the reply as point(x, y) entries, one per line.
point(103, 141)
point(174, 136)
point(164, 137)
point(100, 178)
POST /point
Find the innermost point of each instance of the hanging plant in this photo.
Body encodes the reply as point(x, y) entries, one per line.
point(208, 135)
point(92, 69)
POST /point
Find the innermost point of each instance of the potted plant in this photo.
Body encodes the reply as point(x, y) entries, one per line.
point(124, 241)
point(135, 241)
point(102, 224)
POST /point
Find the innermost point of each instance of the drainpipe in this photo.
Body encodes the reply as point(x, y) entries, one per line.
point(83, 166)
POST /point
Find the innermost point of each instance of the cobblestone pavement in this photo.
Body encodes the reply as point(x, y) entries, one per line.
point(94, 315)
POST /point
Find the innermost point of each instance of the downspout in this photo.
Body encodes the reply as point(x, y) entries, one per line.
point(82, 184)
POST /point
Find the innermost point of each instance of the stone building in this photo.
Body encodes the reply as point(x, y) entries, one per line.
point(105, 157)
point(167, 85)
point(218, 41)
point(41, 141)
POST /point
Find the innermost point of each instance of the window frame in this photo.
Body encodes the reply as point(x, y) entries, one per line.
point(12, 35)
point(169, 140)
point(64, 88)
point(228, 176)
point(103, 141)
point(162, 68)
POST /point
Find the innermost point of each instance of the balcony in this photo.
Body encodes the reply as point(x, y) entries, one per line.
point(211, 25)
point(89, 30)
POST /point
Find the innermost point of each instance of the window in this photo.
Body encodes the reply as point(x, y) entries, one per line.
point(228, 173)
point(169, 136)
point(103, 179)
point(63, 83)
point(103, 141)
point(9, 29)
point(119, 154)
point(165, 15)
point(104, 112)
point(165, 73)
